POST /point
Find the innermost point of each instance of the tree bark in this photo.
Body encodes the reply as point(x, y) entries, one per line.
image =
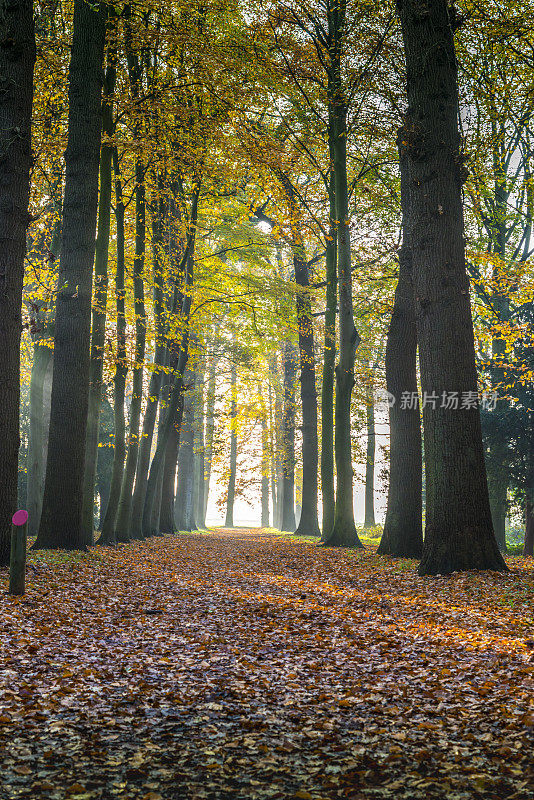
point(272, 446)
point(61, 517)
point(124, 512)
point(154, 386)
point(210, 429)
point(230, 497)
point(121, 370)
point(265, 460)
point(369, 517)
point(38, 436)
point(459, 532)
point(403, 527)
point(343, 533)
point(168, 478)
point(309, 522)
point(498, 494)
point(184, 519)
point(528, 548)
point(199, 452)
point(327, 389)
point(288, 439)
point(17, 59)
point(99, 307)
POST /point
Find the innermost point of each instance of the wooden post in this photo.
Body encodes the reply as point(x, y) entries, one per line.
point(17, 562)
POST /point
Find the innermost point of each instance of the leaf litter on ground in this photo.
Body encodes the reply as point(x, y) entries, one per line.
point(245, 664)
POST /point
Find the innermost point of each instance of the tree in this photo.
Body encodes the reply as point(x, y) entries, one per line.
point(403, 526)
point(60, 524)
point(459, 532)
point(230, 496)
point(100, 300)
point(17, 59)
point(121, 369)
point(343, 532)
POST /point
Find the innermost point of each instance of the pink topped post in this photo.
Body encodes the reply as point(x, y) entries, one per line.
point(17, 561)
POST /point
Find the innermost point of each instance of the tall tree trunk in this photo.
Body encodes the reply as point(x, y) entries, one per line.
point(528, 547)
point(17, 59)
point(63, 493)
point(162, 515)
point(124, 512)
point(168, 478)
point(369, 517)
point(99, 306)
point(309, 521)
point(105, 459)
point(265, 460)
point(271, 433)
point(498, 466)
point(277, 441)
point(103, 493)
point(498, 495)
point(199, 445)
point(36, 461)
point(327, 389)
point(121, 370)
point(403, 527)
point(42, 328)
point(459, 532)
point(154, 386)
point(210, 429)
point(343, 533)
point(183, 505)
point(230, 498)
point(288, 459)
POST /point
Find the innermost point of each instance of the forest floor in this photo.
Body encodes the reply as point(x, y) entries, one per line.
point(246, 664)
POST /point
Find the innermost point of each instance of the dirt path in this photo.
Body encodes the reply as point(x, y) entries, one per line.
point(246, 665)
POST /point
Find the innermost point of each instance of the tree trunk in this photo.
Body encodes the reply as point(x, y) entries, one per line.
point(63, 493)
point(210, 430)
point(308, 522)
point(229, 522)
point(36, 462)
point(199, 452)
point(497, 465)
point(277, 442)
point(99, 308)
point(288, 443)
point(274, 499)
point(168, 479)
point(459, 532)
point(105, 458)
point(124, 512)
point(528, 548)
point(265, 459)
point(403, 527)
point(17, 59)
point(327, 389)
point(343, 533)
point(121, 369)
point(154, 386)
point(183, 505)
point(498, 494)
point(369, 518)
